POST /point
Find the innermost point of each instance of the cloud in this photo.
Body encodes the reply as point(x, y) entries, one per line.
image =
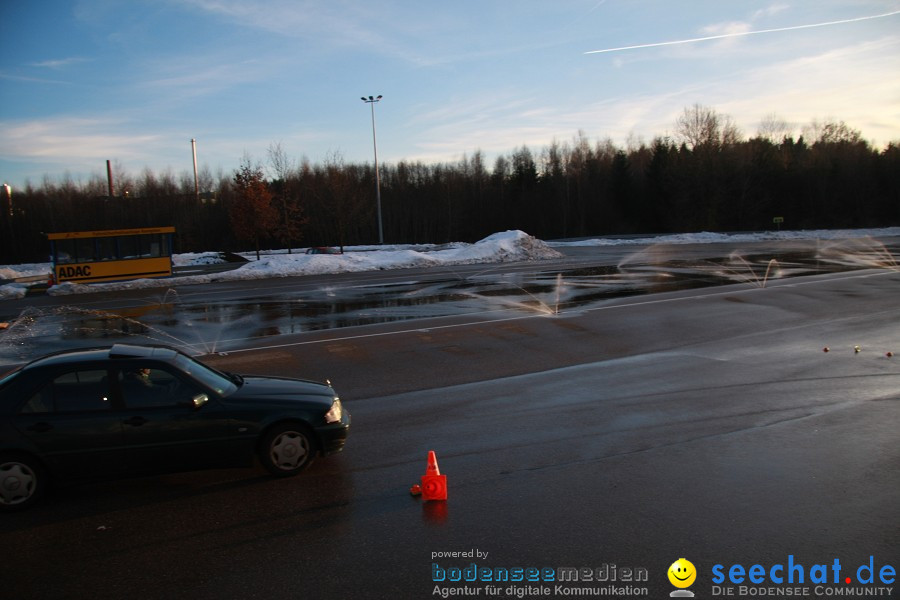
point(769, 11)
point(845, 83)
point(70, 139)
point(741, 31)
point(726, 30)
point(201, 77)
point(25, 79)
point(422, 36)
point(339, 22)
point(59, 63)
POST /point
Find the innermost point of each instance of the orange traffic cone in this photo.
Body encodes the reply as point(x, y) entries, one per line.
point(434, 485)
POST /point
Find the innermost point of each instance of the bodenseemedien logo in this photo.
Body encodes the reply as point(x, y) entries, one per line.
point(682, 574)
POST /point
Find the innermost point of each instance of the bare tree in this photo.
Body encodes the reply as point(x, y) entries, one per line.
point(703, 126)
point(773, 128)
point(339, 204)
point(281, 165)
point(729, 132)
point(286, 199)
point(697, 125)
point(831, 132)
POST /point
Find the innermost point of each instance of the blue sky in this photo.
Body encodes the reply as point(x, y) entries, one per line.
point(133, 81)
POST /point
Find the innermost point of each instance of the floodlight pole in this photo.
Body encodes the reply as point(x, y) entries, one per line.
point(13, 247)
point(196, 178)
point(7, 192)
point(371, 102)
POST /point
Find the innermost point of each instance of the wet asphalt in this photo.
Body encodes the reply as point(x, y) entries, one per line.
point(615, 435)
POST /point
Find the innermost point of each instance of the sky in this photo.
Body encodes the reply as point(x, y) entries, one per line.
point(134, 81)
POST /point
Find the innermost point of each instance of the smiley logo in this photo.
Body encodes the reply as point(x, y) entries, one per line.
point(682, 573)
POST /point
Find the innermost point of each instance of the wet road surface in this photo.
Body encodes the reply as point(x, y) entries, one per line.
point(705, 423)
point(209, 318)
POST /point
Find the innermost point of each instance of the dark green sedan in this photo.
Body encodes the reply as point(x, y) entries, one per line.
point(132, 410)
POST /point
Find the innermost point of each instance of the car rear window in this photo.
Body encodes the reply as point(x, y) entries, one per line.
point(74, 391)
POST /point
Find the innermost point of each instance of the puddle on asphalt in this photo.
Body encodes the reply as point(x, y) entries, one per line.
point(209, 327)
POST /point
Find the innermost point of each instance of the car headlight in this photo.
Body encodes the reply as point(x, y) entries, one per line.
point(335, 413)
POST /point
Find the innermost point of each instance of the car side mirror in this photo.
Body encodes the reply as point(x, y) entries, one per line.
point(199, 400)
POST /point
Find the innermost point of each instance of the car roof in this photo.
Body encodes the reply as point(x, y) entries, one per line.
point(117, 351)
point(134, 351)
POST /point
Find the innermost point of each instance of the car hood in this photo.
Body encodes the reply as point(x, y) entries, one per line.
point(283, 389)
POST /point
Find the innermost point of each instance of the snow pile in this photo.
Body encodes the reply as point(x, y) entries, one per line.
point(28, 270)
point(18, 290)
point(706, 237)
point(197, 258)
point(13, 290)
point(500, 247)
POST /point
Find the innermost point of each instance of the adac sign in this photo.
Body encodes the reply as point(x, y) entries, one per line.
point(114, 270)
point(72, 272)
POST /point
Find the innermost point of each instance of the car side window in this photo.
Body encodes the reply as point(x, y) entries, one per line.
point(40, 402)
point(147, 386)
point(74, 391)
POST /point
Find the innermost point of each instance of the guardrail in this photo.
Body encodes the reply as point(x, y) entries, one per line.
point(30, 279)
point(204, 269)
point(176, 272)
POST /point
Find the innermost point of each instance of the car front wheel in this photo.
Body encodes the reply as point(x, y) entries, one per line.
point(287, 449)
point(22, 481)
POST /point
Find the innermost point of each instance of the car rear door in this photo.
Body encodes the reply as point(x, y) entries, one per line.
point(163, 428)
point(73, 424)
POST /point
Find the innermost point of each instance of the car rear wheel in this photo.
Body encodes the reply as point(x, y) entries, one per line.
point(22, 481)
point(287, 449)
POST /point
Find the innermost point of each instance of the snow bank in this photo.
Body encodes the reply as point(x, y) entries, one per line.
point(197, 258)
point(706, 237)
point(13, 291)
point(29, 270)
point(18, 290)
point(507, 246)
point(500, 247)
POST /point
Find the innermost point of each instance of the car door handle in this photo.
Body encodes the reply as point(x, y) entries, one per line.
point(40, 427)
point(136, 421)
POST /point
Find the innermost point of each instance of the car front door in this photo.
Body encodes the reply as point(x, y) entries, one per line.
point(74, 424)
point(165, 429)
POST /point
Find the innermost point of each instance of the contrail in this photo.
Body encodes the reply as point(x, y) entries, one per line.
point(728, 35)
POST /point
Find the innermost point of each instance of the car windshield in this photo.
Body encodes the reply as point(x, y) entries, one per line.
point(205, 375)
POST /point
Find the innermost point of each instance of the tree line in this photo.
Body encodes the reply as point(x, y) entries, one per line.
point(708, 176)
